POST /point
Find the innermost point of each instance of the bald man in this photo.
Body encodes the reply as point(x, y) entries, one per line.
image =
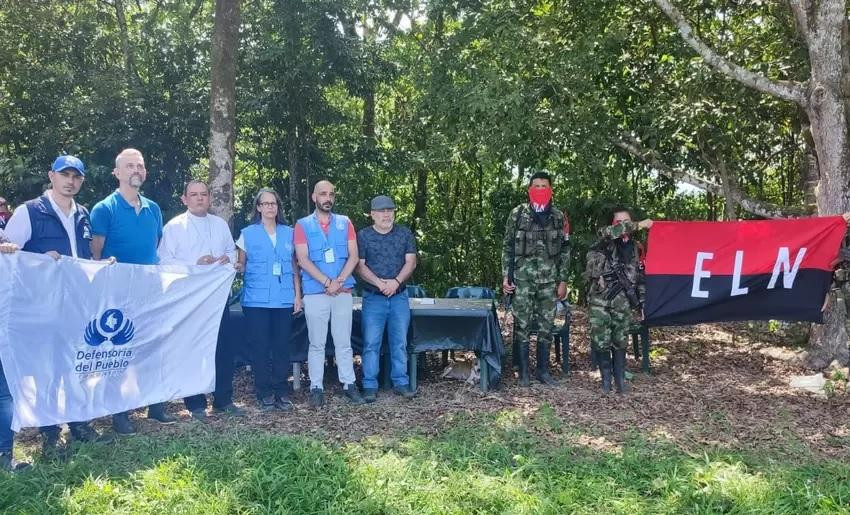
point(326, 247)
point(128, 226)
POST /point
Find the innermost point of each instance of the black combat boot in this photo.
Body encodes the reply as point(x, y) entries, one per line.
point(644, 353)
point(603, 359)
point(524, 380)
point(620, 371)
point(543, 364)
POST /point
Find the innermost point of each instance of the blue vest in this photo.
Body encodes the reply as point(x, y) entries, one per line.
point(318, 244)
point(261, 288)
point(48, 233)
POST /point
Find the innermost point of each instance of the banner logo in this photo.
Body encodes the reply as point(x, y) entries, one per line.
point(112, 326)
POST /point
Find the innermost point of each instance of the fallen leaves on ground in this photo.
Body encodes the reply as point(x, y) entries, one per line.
point(711, 386)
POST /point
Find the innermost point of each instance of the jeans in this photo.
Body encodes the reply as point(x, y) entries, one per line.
point(7, 436)
point(318, 309)
point(225, 353)
point(270, 330)
point(394, 314)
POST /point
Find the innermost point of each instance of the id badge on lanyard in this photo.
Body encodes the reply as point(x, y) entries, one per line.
point(276, 269)
point(329, 252)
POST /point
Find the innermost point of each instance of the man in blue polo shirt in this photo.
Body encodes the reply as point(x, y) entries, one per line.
point(128, 226)
point(55, 225)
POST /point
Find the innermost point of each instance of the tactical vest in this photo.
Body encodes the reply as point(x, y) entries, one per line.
point(318, 245)
point(529, 236)
point(48, 233)
point(262, 288)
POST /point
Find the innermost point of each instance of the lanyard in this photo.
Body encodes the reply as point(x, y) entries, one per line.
point(319, 224)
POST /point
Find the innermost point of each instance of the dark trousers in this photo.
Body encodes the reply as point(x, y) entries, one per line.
point(224, 356)
point(270, 331)
point(55, 430)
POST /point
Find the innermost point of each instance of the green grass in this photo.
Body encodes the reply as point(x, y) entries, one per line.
point(497, 464)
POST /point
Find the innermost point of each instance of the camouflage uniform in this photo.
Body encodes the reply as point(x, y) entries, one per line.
point(541, 260)
point(611, 320)
point(636, 322)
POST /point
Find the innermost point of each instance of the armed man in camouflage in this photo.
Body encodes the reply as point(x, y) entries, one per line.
point(615, 288)
point(535, 262)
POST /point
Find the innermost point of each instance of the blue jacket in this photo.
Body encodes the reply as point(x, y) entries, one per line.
point(317, 246)
point(48, 233)
point(261, 287)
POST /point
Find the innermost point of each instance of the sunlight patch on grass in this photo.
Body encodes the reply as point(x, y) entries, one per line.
point(732, 483)
point(503, 463)
point(173, 485)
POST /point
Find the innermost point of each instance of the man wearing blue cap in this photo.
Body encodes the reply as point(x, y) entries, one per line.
point(55, 225)
point(127, 226)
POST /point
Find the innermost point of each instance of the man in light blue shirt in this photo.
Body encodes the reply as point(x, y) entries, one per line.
point(127, 226)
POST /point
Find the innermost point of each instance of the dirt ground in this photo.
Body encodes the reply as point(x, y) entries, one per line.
point(711, 386)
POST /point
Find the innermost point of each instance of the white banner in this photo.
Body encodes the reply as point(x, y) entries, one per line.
point(82, 339)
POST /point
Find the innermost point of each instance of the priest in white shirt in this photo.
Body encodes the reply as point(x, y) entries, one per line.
point(198, 237)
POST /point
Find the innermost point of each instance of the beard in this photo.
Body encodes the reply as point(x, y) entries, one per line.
point(136, 181)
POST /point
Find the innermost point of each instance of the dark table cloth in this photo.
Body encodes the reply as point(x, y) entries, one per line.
point(447, 324)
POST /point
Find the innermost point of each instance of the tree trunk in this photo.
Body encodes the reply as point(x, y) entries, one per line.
point(129, 61)
point(225, 46)
point(823, 30)
point(298, 141)
point(809, 174)
point(729, 183)
point(420, 199)
point(827, 112)
point(828, 341)
point(306, 146)
point(369, 116)
point(297, 182)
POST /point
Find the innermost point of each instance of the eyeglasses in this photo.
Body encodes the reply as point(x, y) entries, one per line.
point(267, 204)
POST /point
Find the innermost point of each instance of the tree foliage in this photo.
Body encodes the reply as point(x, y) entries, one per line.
point(446, 105)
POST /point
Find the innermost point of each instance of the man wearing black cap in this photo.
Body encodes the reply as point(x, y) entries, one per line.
point(387, 259)
point(55, 225)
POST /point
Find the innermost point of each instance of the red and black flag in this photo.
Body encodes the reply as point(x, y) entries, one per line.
point(754, 270)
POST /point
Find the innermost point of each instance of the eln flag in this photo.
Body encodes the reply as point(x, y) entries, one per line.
point(752, 270)
point(82, 339)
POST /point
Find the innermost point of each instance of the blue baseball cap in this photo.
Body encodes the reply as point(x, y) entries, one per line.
point(65, 162)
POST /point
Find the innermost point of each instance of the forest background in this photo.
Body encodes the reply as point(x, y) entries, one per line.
point(447, 106)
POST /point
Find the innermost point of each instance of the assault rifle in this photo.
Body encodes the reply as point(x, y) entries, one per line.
point(617, 281)
point(509, 297)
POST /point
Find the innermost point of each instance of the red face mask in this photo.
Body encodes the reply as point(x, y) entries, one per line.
point(539, 197)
